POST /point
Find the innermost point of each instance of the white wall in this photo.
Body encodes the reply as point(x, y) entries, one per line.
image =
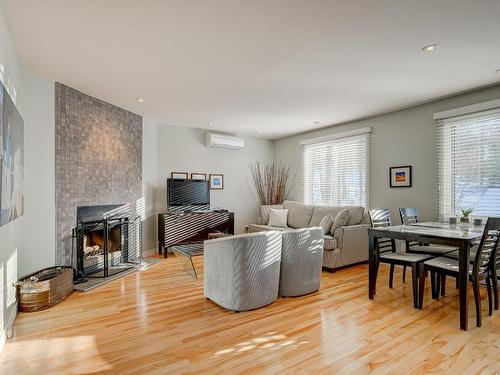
point(36, 105)
point(27, 243)
point(10, 234)
point(183, 149)
point(149, 181)
point(406, 137)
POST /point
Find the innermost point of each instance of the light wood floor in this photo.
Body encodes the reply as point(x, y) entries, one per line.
point(158, 322)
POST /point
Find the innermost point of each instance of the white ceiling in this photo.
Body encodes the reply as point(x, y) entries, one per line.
point(269, 65)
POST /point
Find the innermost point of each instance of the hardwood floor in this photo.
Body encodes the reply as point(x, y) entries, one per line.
point(158, 322)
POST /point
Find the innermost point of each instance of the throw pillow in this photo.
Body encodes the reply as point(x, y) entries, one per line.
point(264, 212)
point(326, 223)
point(355, 215)
point(340, 220)
point(278, 218)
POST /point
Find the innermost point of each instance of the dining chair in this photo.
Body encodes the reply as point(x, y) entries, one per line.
point(485, 261)
point(380, 218)
point(409, 216)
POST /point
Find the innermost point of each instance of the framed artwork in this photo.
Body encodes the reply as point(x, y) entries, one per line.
point(11, 159)
point(400, 176)
point(180, 175)
point(198, 176)
point(216, 181)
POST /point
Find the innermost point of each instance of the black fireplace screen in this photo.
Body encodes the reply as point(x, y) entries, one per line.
point(108, 241)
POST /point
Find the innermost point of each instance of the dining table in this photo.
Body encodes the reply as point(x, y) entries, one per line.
point(460, 235)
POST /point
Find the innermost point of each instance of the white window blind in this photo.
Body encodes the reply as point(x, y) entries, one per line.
point(468, 150)
point(335, 171)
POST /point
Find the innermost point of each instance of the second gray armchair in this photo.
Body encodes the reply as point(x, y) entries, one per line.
point(301, 261)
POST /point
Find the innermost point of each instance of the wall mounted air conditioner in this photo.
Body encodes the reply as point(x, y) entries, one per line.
point(224, 141)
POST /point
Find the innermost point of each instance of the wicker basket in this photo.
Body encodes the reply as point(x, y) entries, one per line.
point(44, 289)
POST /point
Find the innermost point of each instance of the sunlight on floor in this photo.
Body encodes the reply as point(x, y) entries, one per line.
point(58, 352)
point(270, 340)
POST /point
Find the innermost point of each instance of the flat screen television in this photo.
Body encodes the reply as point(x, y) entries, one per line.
point(187, 192)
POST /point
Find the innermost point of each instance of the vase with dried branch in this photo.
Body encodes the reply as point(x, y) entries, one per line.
point(271, 182)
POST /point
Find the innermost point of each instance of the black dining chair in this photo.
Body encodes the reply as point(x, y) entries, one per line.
point(485, 262)
point(380, 218)
point(410, 216)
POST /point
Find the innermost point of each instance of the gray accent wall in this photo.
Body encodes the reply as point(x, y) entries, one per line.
point(406, 137)
point(98, 159)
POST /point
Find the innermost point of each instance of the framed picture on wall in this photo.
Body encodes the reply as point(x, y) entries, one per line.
point(400, 176)
point(198, 176)
point(216, 181)
point(179, 175)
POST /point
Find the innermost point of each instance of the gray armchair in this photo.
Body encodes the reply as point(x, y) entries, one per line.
point(301, 261)
point(242, 272)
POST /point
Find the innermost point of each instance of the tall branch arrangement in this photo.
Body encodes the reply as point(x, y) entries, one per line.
point(270, 181)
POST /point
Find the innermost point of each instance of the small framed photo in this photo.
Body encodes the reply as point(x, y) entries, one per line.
point(400, 176)
point(216, 181)
point(198, 176)
point(179, 175)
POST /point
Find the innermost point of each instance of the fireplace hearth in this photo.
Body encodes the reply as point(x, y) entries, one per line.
point(107, 241)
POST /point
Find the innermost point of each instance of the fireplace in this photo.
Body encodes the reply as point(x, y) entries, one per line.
point(108, 240)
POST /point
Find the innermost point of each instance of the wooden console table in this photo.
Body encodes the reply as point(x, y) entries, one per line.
point(181, 228)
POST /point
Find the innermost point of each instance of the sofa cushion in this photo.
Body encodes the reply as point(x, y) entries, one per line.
point(326, 223)
point(252, 228)
point(355, 215)
point(264, 212)
point(340, 220)
point(299, 214)
point(330, 242)
point(320, 212)
point(277, 218)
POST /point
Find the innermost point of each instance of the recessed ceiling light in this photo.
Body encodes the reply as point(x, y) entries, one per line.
point(259, 131)
point(211, 124)
point(141, 100)
point(497, 71)
point(430, 47)
point(317, 123)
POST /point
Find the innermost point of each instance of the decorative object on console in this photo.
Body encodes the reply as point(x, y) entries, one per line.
point(216, 181)
point(400, 176)
point(11, 159)
point(198, 176)
point(179, 175)
point(278, 218)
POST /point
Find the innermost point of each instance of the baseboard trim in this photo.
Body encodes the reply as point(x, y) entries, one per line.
point(9, 324)
point(332, 270)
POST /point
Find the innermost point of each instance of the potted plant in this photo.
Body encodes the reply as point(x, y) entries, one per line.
point(465, 215)
point(270, 182)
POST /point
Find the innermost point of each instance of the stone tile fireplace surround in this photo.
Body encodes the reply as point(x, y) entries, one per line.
point(98, 159)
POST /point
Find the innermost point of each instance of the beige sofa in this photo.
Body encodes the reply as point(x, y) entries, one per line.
point(348, 245)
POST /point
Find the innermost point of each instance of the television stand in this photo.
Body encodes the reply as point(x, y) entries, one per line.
point(175, 228)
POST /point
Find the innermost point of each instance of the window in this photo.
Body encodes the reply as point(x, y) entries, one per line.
point(468, 154)
point(335, 169)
